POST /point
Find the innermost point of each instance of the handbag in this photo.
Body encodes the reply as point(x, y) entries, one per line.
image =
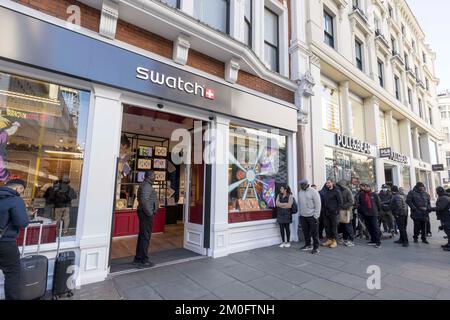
point(345, 216)
point(294, 208)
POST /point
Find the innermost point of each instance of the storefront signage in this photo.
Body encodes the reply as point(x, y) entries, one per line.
point(352, 144)
point(175, 83)
point(438, 167)
point(392, 155)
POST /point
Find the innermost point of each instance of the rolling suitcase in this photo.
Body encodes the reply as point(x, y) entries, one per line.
point(33, 271)
point(63, 261)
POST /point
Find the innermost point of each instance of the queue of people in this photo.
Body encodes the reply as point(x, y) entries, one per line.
point(337, 210)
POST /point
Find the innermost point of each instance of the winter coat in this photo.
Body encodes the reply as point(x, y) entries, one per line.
point(347, 196)
point(284, 215)
point(363, 208)
point(60, 195)
point(443, 207)
point(331, 201)
point(417, 200)
point(147, 198)
point(309, 203)
point(398, 205)
point(13, 214)
point(386, 199)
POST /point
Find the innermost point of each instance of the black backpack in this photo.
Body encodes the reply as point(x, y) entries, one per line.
point(294, 208)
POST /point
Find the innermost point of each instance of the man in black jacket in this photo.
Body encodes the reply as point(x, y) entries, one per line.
point(386, 211)
point(331, 204)
point(419, 202)
point(400, 212)
point(443, 213)
point(148, 205)
point(13, 217)
point(369, 205)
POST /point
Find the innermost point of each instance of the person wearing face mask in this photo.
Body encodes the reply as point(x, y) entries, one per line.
point(442, 210)
point(419, 202)
point(386, 216)
point(331, 204)
point(309, 212)
point(400, 212)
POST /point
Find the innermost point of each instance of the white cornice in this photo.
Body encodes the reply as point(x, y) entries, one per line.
point(208, 37)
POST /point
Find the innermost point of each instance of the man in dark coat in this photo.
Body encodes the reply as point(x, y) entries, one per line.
point(147, 207)
point(368, 204)
point(442, 210)
point(400, 212)
point(348, 202)
point(386, 211)
point(419, 202)
point(331, 204)
point(13, 217)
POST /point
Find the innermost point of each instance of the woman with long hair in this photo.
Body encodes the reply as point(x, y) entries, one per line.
point(284, 204)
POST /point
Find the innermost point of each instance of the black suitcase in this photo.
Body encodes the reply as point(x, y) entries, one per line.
point(61, 271)
point(33, 271)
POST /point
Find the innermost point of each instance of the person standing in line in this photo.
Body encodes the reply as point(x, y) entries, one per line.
point(309, 212)
point(13, 217)
point(419, 202)
point(284, 203)
point(386, 216)
point(331, 204)
point(442, 210)
point(369, 205)
point(348, 202)
point(400, 212)
point(147, 207)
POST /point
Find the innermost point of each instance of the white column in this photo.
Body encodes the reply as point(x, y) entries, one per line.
point(258, 22)
point(372, 121)
point(219, 190)
point(390, 129)
point(371, 64)
point(346, 108)
point(94, 225)
point(405, 88)
point(416, 147)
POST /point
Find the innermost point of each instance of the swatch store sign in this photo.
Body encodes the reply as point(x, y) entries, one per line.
point(353, 144)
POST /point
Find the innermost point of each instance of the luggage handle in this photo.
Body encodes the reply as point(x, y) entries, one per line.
point(41, 225)
point(59, 237)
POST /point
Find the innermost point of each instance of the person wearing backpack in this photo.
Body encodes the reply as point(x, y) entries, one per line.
point(442, 210)
point(284, 204)
point(13, 217)
point(400, 212)
point(386, 216)
point(309, 210)
point(346, 213)
point(60, 196)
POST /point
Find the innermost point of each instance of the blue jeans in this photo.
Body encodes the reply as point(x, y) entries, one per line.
point(374, 229)
point(348, 231)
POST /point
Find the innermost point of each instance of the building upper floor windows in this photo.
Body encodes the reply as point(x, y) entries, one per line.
point(424, 57)
point(328, 20)
point(446, 132)
point(271, 40)
point(391, 11)
point(445, 112)
point(427, 84)
point(420, 108)
point(172, 3)
point(381, 73)
point(359, 54)
point(215, 13)
point(248, 23)
point(397, 87)
point(394, 46)
point(410, 99)
point(430, 116)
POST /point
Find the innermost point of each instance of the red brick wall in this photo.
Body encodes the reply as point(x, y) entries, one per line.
point(90, 17)
point(126, 32)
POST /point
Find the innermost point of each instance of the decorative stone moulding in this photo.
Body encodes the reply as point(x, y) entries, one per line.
point(108, 20)
point(181, 48)
point(232, 70)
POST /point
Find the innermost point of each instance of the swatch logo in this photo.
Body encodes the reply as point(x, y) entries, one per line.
point(175, 83)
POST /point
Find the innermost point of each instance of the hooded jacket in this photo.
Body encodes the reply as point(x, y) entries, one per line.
point(331, 200)
point(386, 199)
point(13, 214)
point(417, 200)
point(398, 205)
point(347, 196)
point(442, 207)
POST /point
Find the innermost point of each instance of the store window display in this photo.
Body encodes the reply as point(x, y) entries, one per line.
point(257, 169)
point(42, 140)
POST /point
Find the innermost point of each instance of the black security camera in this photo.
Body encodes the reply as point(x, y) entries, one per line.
point(211, 118)
point(160, 105)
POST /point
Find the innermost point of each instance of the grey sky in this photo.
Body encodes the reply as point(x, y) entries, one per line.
point(434, 20)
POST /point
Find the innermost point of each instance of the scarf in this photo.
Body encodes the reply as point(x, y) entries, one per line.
point(367, 200)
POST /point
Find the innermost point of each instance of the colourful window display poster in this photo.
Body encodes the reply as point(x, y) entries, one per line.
point(267, 164)
point(268, 193)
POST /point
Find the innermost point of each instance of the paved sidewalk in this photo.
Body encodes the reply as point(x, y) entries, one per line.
point(418, 272)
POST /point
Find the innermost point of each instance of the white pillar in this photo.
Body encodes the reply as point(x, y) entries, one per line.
point(94, 225)
point(346, 109)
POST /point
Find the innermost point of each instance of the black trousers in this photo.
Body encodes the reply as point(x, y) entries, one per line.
point(321, 226)
point(446, 224)
point(310, 226)
point(285, 230)
point(374, 229)
point(145, 234)
point(10, 265)
point(401, 223)
point(420, 228)
point(331, 221)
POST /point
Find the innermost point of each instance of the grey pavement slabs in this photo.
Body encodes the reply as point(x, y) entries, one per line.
point(418, 272)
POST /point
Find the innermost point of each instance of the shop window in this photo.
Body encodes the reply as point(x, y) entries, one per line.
point(351, 167)
point(257, 170)
point(331, 109)
point(172, 3)
point(214, 13)
point(42, 141)
point(248, 23)
point(271, 40)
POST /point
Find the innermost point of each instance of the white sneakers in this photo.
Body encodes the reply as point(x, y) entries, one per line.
point(285, 245)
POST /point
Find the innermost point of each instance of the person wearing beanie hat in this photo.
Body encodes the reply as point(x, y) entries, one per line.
point(442, 210)
point(400, 212)
point(309, 205)
point(419, 202)
point(386, 212)
point(13, 217)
